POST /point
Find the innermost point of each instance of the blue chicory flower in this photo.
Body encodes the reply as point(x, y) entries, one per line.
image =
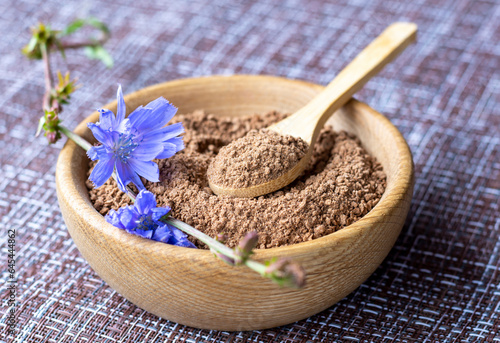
point(130, 144)
point(143, 219)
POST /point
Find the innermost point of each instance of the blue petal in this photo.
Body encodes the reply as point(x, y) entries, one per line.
point(163, 110)
point(145, 202)
point(160, 104)
point(165, 133)
point(124, 126)
point(184, 242)
point(101, 172)
point(114, 219)
point(169, 150)
point(92, 153)
point(120, 106)
point(125, 175)
point(178, 142)
point(138, 117)
point(178, 234)
point(142, 233)
point(105, 137)
point(147, 151)
point(158, 212)
point(154, 115)
point(136, 180)
point(106, 119)
point(146, 169)
point(128, 218)
point(179, 238)
point(97, 153)
point(121, 178)
point(162, 234)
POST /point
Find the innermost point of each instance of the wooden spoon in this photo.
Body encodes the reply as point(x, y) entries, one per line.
point(307, 122)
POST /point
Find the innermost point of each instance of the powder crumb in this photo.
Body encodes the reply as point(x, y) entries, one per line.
point(341, 184)
point(257, 158)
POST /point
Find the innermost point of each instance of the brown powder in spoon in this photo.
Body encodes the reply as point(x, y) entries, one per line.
point(257, 158)
point(340, 185)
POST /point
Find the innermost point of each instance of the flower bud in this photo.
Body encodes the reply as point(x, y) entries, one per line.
point(297, 275)
point(286, 272)
point(245, 247)
point(51, 137)
point(248, 243)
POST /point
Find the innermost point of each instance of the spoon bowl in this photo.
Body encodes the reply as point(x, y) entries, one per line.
point(307, 122)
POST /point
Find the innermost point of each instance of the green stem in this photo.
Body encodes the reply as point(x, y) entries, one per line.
point(75, 138)
point(215, 245)
point(48, 76)
point(256, 266)
point(212, 243)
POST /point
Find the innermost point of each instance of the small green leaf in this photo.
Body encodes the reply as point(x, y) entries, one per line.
point(99, 53)
point(32, 50)
point(73, 27)
point(41, 122)
point(31, 45)
point(98, 24)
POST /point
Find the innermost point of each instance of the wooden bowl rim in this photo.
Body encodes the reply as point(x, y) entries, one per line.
point(84, 208)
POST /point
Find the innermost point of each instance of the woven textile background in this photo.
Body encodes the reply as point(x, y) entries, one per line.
point(441, 281)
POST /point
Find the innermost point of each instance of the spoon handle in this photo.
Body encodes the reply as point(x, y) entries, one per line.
point(308, 121)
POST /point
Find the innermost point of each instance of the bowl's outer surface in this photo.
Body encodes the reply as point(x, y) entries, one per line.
point(190, 286)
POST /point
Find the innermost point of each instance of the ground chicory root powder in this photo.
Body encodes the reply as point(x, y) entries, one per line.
point(259, 157)
point(341, 184)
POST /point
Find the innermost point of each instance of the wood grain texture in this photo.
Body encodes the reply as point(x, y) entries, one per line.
point(190, 286)
point(307, 122)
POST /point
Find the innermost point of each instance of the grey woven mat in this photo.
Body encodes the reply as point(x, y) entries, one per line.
point(441, 281)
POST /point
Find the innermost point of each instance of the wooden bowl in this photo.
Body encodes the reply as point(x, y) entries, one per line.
point(193, 288)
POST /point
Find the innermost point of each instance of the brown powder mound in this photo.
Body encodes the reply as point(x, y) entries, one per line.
point(340, 185)
point(259, 157)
